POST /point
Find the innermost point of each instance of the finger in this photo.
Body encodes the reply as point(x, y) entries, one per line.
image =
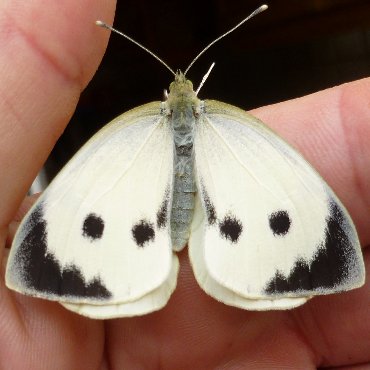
point(338, 326)
point(49, 52)
point(331, 128)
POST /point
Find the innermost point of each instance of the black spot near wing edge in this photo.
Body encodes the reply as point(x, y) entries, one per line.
point(41, 271)
point(330, 267)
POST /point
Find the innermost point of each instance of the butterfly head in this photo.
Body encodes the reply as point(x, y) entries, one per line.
point(181, 92)
point(181, 84)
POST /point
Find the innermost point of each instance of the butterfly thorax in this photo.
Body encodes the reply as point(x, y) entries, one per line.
point(183, 108)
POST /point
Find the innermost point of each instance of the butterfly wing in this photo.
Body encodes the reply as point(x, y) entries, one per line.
point(268, 232)
point(98, 238)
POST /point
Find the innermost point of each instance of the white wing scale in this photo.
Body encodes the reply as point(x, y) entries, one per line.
point(98, 238)
point(273, 233)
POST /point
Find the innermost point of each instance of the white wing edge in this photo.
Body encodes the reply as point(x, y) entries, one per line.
point(150, 302)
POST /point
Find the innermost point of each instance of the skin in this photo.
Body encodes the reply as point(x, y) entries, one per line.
point(55, 48)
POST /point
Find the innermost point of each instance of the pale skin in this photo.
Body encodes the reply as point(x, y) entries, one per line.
point(49, 52)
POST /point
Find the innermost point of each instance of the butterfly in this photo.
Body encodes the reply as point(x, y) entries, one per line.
point(263, 229)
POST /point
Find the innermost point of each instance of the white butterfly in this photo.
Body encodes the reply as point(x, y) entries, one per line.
point(264, 230)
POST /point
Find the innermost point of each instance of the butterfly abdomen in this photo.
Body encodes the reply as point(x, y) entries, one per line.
point(183, 196)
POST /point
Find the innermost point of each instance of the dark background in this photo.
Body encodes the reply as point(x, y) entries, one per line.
point(292, 49)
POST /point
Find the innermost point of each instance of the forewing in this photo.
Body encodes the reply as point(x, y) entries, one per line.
point(99, 235)
point(272, 233)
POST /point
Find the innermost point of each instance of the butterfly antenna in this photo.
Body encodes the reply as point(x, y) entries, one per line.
point(104, 25)
point(205, 78)
point(257, 11)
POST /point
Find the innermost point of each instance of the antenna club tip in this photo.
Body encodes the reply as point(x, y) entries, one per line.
point(263, 7)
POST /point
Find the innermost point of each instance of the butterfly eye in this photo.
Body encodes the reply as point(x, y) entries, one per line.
point(93, 227)
point(142, 232)
point(280, 222)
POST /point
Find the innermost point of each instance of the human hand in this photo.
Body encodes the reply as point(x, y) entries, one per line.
point(193, 331)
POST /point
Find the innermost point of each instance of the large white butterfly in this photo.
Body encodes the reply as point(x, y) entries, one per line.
point(264, 230)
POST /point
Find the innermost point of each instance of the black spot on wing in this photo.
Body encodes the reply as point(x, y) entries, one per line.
point(93, 227)
point(333, 262)
point(231, 228)
point(41, 271)
point(162, 214)
point(210, 208)
point(280, 222)
point(143, 232)
point(330, 266)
